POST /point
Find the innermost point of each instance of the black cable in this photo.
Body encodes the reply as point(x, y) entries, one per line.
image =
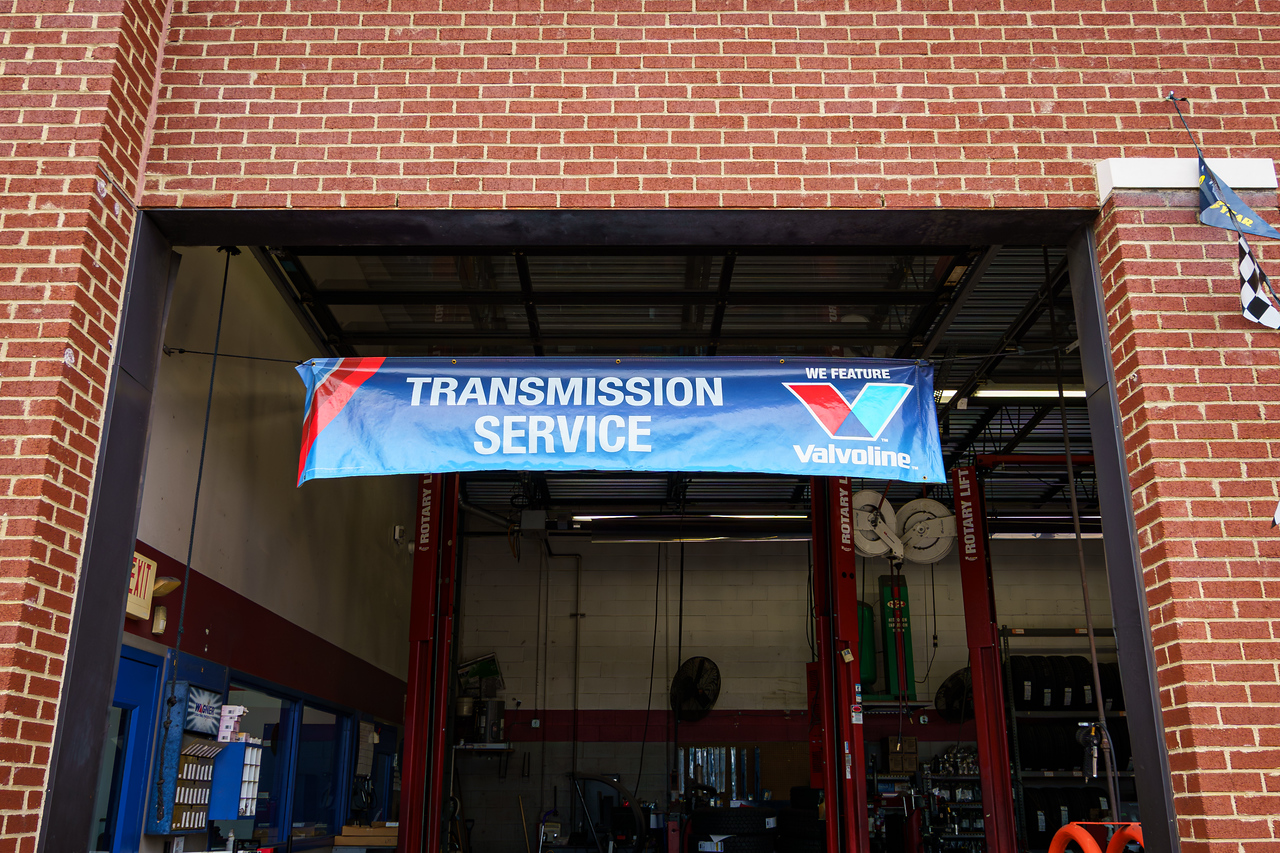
point(1015, 354)
point(653, 656)
point(675, 736)
point(811, 628)
point(191, 539)
point(216, 355)
point(933, 586)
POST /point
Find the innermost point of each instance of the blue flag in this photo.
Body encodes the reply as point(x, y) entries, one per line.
point(872, 418)
point(1222, 208)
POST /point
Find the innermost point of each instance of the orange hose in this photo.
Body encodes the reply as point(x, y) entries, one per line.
point(1072, 832)
point(1125, 834)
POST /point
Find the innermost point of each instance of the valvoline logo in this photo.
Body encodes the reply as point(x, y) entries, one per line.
point(863, 419)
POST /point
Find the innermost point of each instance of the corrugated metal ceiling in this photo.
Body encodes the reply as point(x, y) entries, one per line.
point(885, 303)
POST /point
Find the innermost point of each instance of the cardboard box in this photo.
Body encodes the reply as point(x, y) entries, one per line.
point(906, 745)
point(376, 829)
point(902, 764)
point(378, 835)
point(365, 841)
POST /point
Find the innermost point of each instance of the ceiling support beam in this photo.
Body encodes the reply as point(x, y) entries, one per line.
point(1026, 429)
point(305, 289)
point(694, 296)
point(634, 337)
point(722, 301)
point(304, 317)
point(971, 436)
point(958, 299)
point(530, 309)
point(1008, 342)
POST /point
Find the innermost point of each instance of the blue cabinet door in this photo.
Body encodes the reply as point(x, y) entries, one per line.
point(131, 730)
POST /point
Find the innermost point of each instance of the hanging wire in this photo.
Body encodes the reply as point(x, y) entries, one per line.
point(181, 351)
point(653, 657)
point(1084, 575)
point(191, 539)
point(810, 630)
point(933, 586)
point(985, 356)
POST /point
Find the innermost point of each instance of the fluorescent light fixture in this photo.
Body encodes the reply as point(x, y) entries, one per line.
point(1011, 535)
point(1043, 517)
point(1017, 393)
point(691, 517)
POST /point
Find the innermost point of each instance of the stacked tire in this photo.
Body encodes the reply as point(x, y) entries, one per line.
point(749, 830)
point(799, 830)
point(1047, 809)
point(1062, 683)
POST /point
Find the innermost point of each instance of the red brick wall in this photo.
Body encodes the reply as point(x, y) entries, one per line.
point(1200, 397)
point(652, 103)
point(72, 100)
point(692, 103)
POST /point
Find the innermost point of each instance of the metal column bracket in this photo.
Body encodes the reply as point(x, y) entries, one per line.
point(984, 661)
point(835, 596)
point(431, 620)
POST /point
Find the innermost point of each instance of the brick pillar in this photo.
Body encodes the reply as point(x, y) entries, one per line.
point(76, 81)
point(1199, 390)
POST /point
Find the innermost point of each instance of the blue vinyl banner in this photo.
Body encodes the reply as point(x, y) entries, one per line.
point(872, 418)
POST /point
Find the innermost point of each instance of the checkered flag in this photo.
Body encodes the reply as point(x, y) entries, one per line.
point(1257, 300)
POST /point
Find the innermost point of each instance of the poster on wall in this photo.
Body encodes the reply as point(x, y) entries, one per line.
point(872, 418)
point(204, 710)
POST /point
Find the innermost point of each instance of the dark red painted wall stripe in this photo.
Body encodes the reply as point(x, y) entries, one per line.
point(722, 726)
point(227, 628)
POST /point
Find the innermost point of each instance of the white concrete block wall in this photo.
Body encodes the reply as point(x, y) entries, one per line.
point(322, 556)
point(746, 607)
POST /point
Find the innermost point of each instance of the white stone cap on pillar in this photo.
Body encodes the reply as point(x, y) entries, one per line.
point(1179, 173)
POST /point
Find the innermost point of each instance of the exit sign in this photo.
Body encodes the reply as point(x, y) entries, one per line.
point(141, 581)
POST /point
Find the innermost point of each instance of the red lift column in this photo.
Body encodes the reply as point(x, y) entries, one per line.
point(835, 598)
point(430, 663)
point(984, 661)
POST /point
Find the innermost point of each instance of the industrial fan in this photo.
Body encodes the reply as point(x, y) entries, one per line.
point(695, 688)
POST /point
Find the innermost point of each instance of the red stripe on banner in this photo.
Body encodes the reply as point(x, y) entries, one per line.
point(825, 402)
point(331, 396)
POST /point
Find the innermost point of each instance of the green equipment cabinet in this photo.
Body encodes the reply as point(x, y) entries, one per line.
point(866, 645)
point(895, 628)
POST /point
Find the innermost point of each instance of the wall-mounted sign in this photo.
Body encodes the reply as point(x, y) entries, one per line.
point(845, 417)
point(204, 711)
point(141, 582)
